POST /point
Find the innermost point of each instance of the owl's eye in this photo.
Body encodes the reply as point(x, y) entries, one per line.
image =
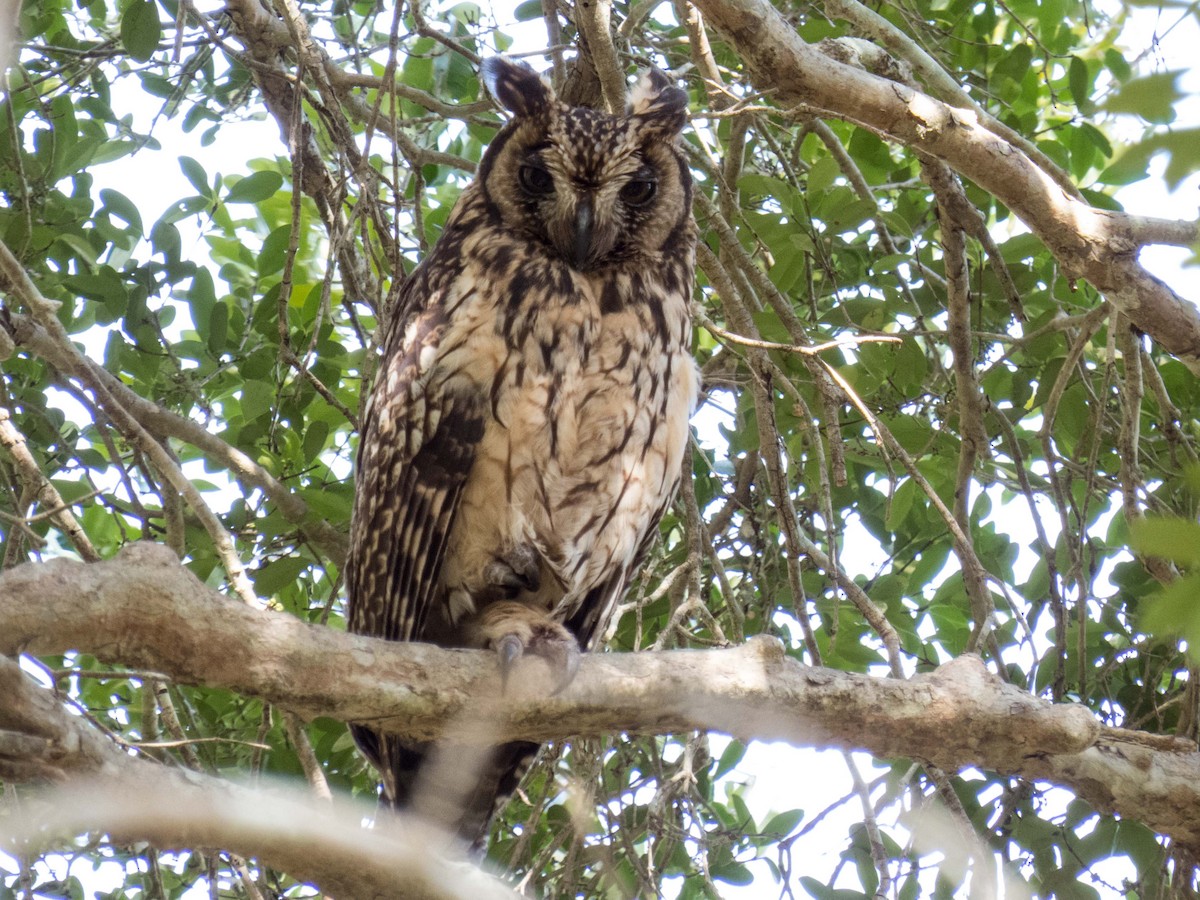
point(535, 181)
point(639, 192)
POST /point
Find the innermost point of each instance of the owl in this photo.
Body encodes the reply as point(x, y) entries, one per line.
point(527, 427)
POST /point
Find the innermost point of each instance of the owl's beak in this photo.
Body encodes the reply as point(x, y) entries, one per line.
point(581, 247)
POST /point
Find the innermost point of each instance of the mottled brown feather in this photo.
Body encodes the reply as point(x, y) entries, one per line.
point(531, 403)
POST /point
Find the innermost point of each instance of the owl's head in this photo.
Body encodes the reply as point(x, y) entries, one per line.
point(596, 190)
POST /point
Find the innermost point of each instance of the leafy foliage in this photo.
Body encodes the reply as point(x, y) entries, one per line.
point(250, 307)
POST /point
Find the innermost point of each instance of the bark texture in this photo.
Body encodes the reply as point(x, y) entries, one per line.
point(144, 610)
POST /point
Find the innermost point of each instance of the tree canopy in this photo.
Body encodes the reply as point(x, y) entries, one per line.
point(941, 505)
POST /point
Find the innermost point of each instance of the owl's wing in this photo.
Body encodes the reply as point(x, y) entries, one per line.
point(416, 449)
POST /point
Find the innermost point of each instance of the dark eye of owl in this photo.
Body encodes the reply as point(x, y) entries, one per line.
point(535, 181)
point(639, 192)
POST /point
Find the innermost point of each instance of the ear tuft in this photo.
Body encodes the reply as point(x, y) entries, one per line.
point(657, 101)
point(516, 86)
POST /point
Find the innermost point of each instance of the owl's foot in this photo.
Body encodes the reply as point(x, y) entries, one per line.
point(551, 642)
point(517, 570)
point(514, 630)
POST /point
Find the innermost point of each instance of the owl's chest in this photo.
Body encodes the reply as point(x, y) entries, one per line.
point(582, 383)
point(564, 363)
point(587, 424)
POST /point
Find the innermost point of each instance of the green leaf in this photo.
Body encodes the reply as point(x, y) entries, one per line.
point(1080, 83)
point(278, 574)
point(1153, 97)
point(784, 823)
point(78, 247)
point(333, 506)
point(1097, 137)
point(754, 186)
point(314, 440)
point(141, 30)
point(821, 891)
point(113, 150)
point(1015, 63)
point(196, 176)
point(733, 873)
point(528, 11)
point(821, 176)
point(121, 206)
point(730, 758)
point(66, 134)
point(104, 284)
point(902, 502)
point(274, 251)
point(1175, 539)
point(218, 327)
point(255, 188)
point(1176, 612)
point(258, 399)
point(1117, 65)
point(201, 297)
point(1065, 885)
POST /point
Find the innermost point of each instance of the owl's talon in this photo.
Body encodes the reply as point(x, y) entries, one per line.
point(514, 630)
point(510, 649)
point(558, 647)
point(568, 668)
point(560, 651)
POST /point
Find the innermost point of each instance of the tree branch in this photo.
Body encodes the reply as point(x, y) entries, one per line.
point(105, 789)
point(1096, 244)
point(142, 609)
point(594, 19)
point(161, 422)
point(39, 486)
point(939, 81)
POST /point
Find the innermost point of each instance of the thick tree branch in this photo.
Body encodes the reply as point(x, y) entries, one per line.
point(938, 80)
point(1096, 244)
point(105, 789)
point(143, 609)
point(594, 18)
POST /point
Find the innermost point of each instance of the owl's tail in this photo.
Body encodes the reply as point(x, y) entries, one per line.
point(455, 787)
